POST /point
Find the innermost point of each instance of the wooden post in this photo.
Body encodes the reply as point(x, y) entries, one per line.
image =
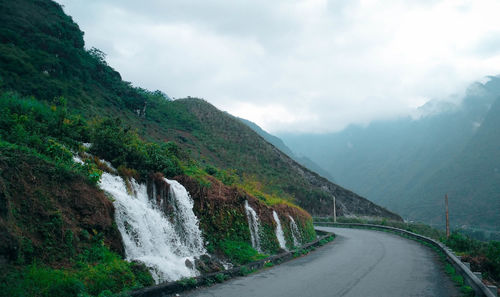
point(334, 211)
point(447, 216)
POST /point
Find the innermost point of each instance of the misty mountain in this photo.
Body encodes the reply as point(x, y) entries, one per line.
point(278, 143)
point(408, 164)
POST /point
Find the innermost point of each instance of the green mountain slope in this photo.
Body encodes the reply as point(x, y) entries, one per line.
point(42, 55)
point(471, 179)
point(278, 143)
point(409, 164)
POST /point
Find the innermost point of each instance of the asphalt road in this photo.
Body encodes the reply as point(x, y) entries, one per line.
point(357, 263)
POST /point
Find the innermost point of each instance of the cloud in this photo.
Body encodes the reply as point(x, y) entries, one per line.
point(311, 65)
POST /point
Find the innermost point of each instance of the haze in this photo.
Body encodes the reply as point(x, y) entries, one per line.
point(298, 66)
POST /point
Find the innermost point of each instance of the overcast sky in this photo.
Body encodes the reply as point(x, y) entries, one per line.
point(305, 66)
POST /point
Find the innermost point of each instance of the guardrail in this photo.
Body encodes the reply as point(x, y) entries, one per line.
point(480, 289)
point(166, 289)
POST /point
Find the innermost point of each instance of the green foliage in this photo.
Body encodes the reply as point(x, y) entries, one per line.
point(220, 277)
point(461, 243)
point(240, 252)
point(269, 264)
point(190, 282)
point(123, 147)
point(39, 281)
point(99, 272)
point(244, 270)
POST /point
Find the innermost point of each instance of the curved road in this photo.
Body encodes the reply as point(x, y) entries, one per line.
point(357, 263)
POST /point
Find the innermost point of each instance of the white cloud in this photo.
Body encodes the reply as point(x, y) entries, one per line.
point(311, 65)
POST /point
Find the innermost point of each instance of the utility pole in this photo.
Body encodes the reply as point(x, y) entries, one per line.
point(334, 211)
point(447, 216)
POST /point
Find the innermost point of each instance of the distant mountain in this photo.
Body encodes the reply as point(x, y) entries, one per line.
point(278, 143)
point(409, 164)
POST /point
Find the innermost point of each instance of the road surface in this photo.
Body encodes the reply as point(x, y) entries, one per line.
point(357, 263)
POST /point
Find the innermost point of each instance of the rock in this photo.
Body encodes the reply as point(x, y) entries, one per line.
point(207, 264)
point(189, 264)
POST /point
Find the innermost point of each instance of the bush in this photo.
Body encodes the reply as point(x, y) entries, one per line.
point(39, 281)
point(240, 252)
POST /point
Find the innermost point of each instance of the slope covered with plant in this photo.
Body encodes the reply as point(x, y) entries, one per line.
point(59, 237)
point(42, 55)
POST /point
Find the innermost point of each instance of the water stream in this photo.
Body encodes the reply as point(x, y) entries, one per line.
point(279, 231)
point(295, 232)
point(165, 244)
point(253, 225)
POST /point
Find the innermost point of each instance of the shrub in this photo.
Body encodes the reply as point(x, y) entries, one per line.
point(240, 252)
point(39, 281)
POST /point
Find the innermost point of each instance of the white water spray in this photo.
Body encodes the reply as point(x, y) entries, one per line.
point(185, 221)
point(149, 236)
point(279, 231)
point(295, 232)
point(253, 225)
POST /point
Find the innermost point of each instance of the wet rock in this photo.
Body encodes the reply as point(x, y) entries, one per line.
point(207, 264)
point(189, 264)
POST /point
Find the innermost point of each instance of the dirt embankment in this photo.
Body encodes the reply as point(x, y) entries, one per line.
point(49, 212)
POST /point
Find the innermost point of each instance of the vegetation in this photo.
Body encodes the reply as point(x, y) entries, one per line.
point(51, 134)
point(93, 272)
point(240, 252)
point(42, 54)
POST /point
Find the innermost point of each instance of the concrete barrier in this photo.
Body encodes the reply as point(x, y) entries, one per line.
point(480, 289)
point(167, 289)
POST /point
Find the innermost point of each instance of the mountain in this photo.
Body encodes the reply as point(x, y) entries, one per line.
point(279, 144)
point(408, 164)
point(42, 55)
point(94, 171)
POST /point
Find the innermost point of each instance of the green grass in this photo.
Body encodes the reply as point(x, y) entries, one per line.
point(458, 280)
point(98, 270)
point(241, 252)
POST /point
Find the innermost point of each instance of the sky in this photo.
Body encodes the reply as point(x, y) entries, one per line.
point(298, 66)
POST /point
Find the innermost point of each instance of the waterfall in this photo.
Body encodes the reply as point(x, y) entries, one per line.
point(295, 232)
point(279, 231)
point(253, 225)
point(185, 222)
point(165, 246)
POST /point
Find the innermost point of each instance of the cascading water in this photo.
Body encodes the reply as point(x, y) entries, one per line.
point(148, 235)
point(185, 221)
point(253, 225)
point(279, 231)
point(295, 232)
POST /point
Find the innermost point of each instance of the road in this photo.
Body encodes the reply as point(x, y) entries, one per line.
point(357, 263)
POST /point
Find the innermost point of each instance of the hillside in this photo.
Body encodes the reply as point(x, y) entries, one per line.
point(51, 54)
point(409, 164)
point(471, 179)
point(106, 187)
point(279, 144)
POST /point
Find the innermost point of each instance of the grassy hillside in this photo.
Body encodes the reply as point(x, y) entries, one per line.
point(43, 55)
point(279, 144)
